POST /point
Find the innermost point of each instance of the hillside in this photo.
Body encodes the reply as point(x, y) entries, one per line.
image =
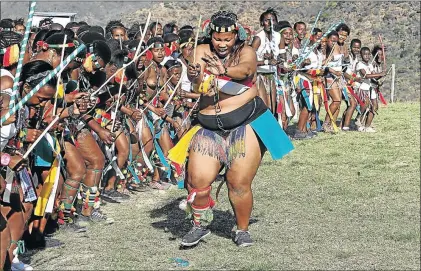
point(397, 22)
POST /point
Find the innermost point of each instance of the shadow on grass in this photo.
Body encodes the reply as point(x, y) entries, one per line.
point(176, 223)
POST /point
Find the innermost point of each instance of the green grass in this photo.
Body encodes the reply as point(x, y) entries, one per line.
point(345, 201)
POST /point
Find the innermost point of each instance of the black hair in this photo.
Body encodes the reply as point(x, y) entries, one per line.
point(332, 33)
point(6, 24)
point(9, 38)
point(169, 28)
point(316, 30)
point(364, 49)
point(186, 27)
point(101, 49)
point(133, 30)
point(269, 11)
point(281, 25)
point(171, 63)
point(71, 25)
point(355, 41)
point(298, 23)
point(50, 33)
point(19, 21)
point(40, 36)
point(70, 34)
point(153, 25)
point(57, 39)
point(44, 23)
point(120, 58)
point(170, 37)
point(185, 34)
point(56, 26)
point(117, 58)
point(113, 44)
point(36, 67)
point(224, 18)
point(133, 44)
point(82, 29)
point(82, 23)
point(89, 37)
point(343, 27)
point(97, 29)
point(375, 49)
point(154, 40)
point(114, 24)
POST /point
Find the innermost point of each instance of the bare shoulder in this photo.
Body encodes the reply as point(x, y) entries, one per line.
point(248, 51)
point(6, 82)
point(203, 48)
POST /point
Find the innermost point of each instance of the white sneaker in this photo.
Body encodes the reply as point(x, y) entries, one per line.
point(361, 129)
point(20, 266)
point(369, 130)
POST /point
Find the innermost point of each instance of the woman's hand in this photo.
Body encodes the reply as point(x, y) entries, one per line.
point(81, 105)
point(10, 120)
point(32, 135)
point(136, 115)
point(177, 126)
point(72, 97)
point(215, 66)
point(160, 112)
point(181, 93)
point(17, 162)
point(106, 136)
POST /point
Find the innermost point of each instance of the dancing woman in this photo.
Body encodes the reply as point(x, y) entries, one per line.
point(235, 128)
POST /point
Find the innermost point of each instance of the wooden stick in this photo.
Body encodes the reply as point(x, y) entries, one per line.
point(196, 39)
point(140, 75)
point(124, 66)
point(137, 55)
point(59, 76)
point(374, 58)
point(392, 87)
point(40, 137)
point(142, 38)
point(173, 94)
point(159, 91)
point(191, 111)
point(118, 99)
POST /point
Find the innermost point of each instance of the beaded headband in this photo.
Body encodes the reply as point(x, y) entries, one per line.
point(157, 44)
point(176, 65)
point(37, 76)
point(242, 34)
point(224, 29)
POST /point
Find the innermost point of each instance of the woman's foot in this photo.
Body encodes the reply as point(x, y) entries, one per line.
point(369, 130)
point(327, 127)
point(243, 239)
point(194, 236)
point(17, 265)
point(159, 185)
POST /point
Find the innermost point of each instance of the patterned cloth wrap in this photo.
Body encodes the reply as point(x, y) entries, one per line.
point(102, 117)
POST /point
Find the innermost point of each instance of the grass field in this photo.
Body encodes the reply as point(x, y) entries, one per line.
point(345, 201)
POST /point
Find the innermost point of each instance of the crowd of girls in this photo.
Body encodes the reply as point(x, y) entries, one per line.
point(156, 106)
